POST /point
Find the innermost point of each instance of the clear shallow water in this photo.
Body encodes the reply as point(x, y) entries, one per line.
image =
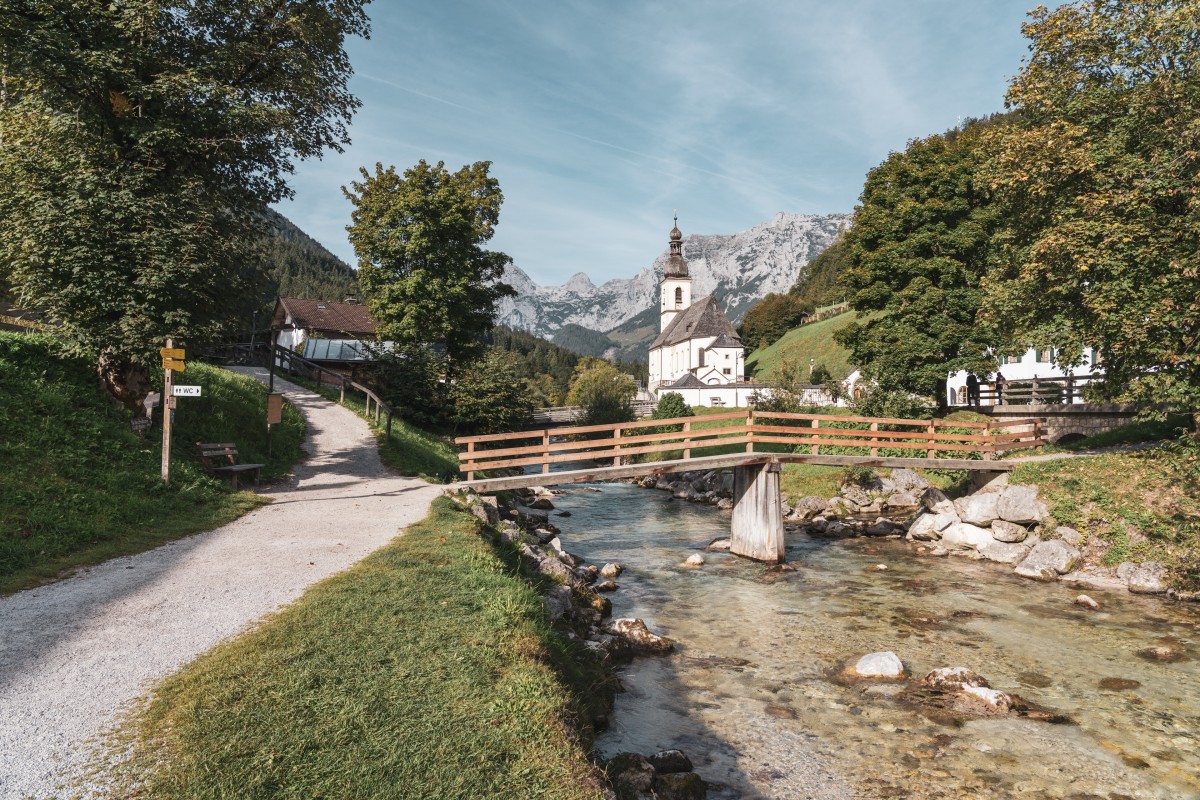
point(748, 693)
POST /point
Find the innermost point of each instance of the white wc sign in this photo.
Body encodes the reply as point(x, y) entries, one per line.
point(185, 391)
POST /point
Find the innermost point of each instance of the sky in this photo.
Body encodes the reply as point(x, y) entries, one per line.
point(600, 118)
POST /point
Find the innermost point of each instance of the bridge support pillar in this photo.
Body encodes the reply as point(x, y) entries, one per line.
point(757, 513)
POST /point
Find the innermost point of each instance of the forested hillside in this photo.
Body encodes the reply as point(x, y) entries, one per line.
point(301, 267)
point(538, 357)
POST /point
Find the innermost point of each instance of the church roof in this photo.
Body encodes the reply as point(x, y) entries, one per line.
point(702, 319)
point(676, 266)
point(725, 340)
point(687, 381)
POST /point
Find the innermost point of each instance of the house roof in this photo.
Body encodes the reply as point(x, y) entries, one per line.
point(323, 315)
point(725, 340)
point(702, 318)
point(687, 381)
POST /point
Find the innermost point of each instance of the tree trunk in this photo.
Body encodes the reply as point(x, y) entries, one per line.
point(943, 405)
point(126, 382)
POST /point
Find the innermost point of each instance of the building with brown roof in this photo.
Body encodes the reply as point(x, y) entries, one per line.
point(324, 331)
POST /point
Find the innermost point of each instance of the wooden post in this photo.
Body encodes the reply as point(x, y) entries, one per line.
point(470, 451)
point(168, 409)
point(342, 398)
point(389, 426)
point(875, 439)
point(546, 452)
point(816, 448)
point(617, 446)
point(1037, 432)
point(757, 527)
point(932, 452)
point(1070, 389)
point(988, 453)
point(750, 431)
point(687, 439)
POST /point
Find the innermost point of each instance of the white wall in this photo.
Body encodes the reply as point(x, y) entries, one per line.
point(1034, 363)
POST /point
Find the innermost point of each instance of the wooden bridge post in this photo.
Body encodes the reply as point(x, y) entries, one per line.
point(617, 460)
point(750, 431)
point(988, 453)
point(546, 452)
point(757, 528)
point(932, 431)
point(874, 439)
point(816, 448)
point(687, 440)
point(470, 449)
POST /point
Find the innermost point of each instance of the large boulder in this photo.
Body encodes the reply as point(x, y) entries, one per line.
point(907, 481)
point(935, 500)
point(856, 494)
point(666, 762)
point(978, 509)
point(1020, 504)
point(558, 602)
point(1004, 531)
point(810, 506)
point(964, 536)
point(1004, 552)
point(680, 786)
point(639, 638)
point(631, 775)
point(1047, 560)
point(922, 528)
point(1146, 578)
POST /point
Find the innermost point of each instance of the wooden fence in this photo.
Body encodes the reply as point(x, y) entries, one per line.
point(753, 431)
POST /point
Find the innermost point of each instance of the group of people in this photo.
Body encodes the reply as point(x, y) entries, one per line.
point(973, 389)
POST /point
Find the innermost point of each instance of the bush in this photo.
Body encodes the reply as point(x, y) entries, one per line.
point(605, 394)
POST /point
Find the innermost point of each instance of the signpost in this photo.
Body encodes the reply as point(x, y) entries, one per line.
point(274, 414)
point(185, 391)
point(172, 357)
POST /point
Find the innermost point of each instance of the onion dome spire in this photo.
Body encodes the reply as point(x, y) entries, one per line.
point(676, 267)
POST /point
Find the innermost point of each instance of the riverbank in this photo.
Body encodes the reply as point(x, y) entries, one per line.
point(752, 691)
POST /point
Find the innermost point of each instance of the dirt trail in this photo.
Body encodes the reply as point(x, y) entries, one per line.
point(73, 654)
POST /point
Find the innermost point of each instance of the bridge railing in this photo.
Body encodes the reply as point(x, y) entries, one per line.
point(749, 431)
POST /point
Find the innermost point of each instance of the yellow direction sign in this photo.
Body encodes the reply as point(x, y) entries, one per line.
point(173, 364)
point(171, 352)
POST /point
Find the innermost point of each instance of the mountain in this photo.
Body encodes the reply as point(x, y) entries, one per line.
point(301, 267)
point(620, 317)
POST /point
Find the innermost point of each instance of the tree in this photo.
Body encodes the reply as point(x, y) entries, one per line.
point(419, 240)
point(919, 248)
point(605, 394)
point(141, 143)
point(491, 396)
point(1101, 186)
point(672, 405)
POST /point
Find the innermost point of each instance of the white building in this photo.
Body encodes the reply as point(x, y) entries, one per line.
point(1019, 374)
point(697, 353)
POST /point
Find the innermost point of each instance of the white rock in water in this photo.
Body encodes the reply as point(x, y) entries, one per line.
point(963, 536)
point(1086, 602)
point(978, 509)
point(1048, 560)
point(880, 568)
point(719, 545)
point(611, 570)
point(995, 699)
point(880, 665)
point(695, 560)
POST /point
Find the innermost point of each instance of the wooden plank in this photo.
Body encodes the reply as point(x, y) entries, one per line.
point(499, 437)
point(873, 434)
point(821, 441)
point(1008, 423)
point(593, 455)
point(921, 423)
point(1027, 444)
point(721, 462)
point(585, 444)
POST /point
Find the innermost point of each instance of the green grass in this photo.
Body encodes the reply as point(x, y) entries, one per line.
point(425, 671)
point(813, 341)
point(78, 487)
point(410, 451)
point(1133, 506)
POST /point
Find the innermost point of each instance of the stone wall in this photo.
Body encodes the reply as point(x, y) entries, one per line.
point(1080, 419)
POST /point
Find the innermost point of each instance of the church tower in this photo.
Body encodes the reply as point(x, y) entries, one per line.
point(676, 286)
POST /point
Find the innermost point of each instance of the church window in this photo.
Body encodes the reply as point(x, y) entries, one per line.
point(678, 295)
point(726, 370)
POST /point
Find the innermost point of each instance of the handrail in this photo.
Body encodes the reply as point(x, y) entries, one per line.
point(619, 440)
point(284, 354)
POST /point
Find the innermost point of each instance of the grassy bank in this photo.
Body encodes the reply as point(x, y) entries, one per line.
point(812, 341)
point(79, 487)
point(410, 450)
point(1132, 506)
point(427, 670)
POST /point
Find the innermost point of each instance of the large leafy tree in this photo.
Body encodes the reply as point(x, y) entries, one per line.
point(423, 269)
point(604, 392)
point(917, 252)
point(1101, 181)
point(140, 142)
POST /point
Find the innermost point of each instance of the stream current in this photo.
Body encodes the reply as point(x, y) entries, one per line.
point(749, 693)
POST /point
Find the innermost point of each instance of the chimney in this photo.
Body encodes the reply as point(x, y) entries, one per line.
point(350, 300)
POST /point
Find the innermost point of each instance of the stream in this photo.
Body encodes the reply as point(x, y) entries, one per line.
point(750, 695)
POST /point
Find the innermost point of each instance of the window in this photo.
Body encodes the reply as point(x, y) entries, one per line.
point(1045, 355)
point(716, 401)
point(1012, 360)
point(727, 356)
point(726, 370)
point(678, 295)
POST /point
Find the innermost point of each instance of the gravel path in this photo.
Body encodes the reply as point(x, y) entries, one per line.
point(73, 654)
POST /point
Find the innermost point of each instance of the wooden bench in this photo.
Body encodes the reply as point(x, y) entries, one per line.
point(213, 453)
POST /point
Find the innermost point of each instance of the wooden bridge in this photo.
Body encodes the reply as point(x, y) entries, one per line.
point(754, 443)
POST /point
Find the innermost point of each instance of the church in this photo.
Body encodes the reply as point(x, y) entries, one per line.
point(697, 353)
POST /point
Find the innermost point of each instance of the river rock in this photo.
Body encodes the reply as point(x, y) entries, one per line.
point(635, 633)
point(680, 786)
point(880, 665)
point(694, 560)
point(666, 762)
point(856, 494)
point(540, 504)
point(1005, 531)
point(964, 536)
point(993, 700)
point(611, 570)
point(631, 775)
point(1048, 560)
point(1069, 535)
point(810, 506)
point(1086, 602)
point(606, 586)
point(952, 679)
point(725, 503)
point(978, 509)
point(719, 545)
point(907, 481)
point(1020, 504)
point(883, 526)
point(1003, 552)
point(1146, 578)
point(558, 602)
point(903, 500)
point(935, 500)
point(922, 529)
